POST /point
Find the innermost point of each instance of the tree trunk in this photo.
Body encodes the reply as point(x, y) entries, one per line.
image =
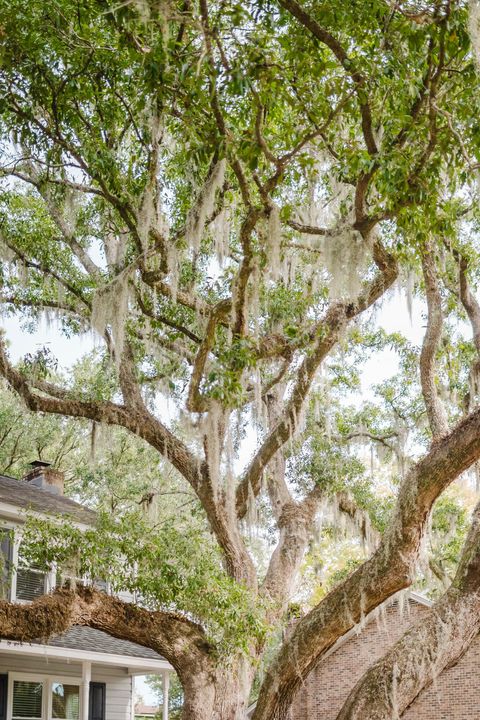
point(224, 696)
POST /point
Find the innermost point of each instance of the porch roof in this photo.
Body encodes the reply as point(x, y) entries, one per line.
point(81, 644)
point(96, 641)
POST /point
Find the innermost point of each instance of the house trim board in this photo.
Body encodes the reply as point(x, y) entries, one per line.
point(61, 653)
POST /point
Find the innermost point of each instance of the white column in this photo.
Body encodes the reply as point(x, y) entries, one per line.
point(85, 689)
point(166, 685)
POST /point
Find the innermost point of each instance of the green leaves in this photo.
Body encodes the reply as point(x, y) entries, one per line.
point(162, 567)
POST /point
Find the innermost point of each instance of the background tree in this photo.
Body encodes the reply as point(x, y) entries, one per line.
point(223, 192)
point(175, 696)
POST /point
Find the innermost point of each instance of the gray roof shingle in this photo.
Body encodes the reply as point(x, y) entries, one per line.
point(96, 641)
point(23, 495)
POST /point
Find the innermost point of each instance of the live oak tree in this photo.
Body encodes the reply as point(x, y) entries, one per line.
point(223, 192)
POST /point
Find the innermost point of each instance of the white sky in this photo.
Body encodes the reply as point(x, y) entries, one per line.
point(142, 689)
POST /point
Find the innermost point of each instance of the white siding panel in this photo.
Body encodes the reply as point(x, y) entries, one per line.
point(44, 666)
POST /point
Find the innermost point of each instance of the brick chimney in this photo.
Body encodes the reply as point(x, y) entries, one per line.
point(44, 476)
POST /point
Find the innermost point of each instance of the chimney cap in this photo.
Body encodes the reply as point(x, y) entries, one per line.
point(40, 463)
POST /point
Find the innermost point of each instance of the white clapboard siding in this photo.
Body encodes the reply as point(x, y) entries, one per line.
point(119, 692)
point(119, 683)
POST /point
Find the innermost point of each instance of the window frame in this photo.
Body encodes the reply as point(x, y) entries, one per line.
point(49, 576)
point(12, 528)
point(47, 682)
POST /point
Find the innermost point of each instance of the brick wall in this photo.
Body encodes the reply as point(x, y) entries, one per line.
point(454, 696)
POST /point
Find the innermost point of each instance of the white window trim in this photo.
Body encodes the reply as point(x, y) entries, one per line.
point(47, 681)
point(15, 546)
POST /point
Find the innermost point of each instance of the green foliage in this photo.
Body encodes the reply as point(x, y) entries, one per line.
point(175, 694)
point(107, 109)
point(163, 567)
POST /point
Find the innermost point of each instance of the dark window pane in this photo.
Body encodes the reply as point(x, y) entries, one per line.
point(27, 699)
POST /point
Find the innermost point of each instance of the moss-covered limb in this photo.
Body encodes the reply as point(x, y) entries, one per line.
point(328, 332)
point(210, 693)
point(436, 413)
point(180, 640)
point(437, 642)
point(391, 568)
point(142, 423)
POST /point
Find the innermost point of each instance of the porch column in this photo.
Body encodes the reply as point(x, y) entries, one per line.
point(166, 685)
point(86, 677)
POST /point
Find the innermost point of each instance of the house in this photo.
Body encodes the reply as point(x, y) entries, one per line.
point(146, 712)
point(455, 694)
point(83, 674)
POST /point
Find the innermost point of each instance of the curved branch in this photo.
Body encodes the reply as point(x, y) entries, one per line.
point(391, 568)
point(437, 642)
point(469, 301)
point(182, 642)
point(195, 401)
point(328, 331)
point(43, 268)
point(34, 178)
point(138, 420)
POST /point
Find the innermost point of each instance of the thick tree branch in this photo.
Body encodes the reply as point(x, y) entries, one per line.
point(328, 331)
point(437, 642)
point(139, 422)
point(292, 522)
point(391, 568)
point(436, 413)
point(182, 642)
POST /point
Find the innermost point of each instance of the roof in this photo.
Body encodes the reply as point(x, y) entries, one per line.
point(141, 709)
point(96, 641)
point(30, 497)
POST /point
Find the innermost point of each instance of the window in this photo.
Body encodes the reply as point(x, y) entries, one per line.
point(27, 700)
point(31, 583)
point(31, 580)
point(43, 698)
point(6, 550)
point(65, 701)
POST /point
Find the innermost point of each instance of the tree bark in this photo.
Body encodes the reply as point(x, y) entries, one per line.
point(182, 642)
point(437, 416)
